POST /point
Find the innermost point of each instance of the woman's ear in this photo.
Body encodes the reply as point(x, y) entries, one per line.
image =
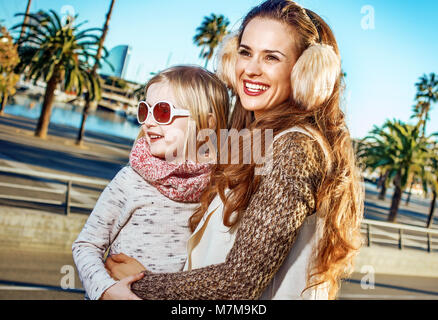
point(212, 123)
point(226, 59)
point(314, 75)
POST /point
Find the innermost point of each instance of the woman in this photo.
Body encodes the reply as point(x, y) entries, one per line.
point(293, 232)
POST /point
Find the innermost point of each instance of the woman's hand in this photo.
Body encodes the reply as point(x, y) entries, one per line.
point(120, 266)
point(122, 289)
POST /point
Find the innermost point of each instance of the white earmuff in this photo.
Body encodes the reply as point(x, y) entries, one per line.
point(314, 75)
point(226, 59)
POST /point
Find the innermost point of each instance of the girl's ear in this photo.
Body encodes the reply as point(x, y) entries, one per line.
point(314, 75)
point(226, 59)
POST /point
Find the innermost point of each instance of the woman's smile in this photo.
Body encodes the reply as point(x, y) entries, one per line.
point(253, 88)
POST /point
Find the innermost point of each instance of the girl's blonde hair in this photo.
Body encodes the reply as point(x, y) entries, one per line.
point(201, 92)
point(316, 83)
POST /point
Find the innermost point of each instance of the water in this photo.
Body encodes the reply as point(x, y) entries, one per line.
point(100, 121)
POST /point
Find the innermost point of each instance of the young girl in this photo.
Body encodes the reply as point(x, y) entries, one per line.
point(144, 210)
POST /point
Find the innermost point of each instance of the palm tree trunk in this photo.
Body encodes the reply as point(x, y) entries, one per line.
point(46, 112)
point(379, 180)
point(104, 32)
point(3, 103)
point(432, 210)
point(424, 123)
point(86, 110)
point(23, 28)
point(80, 137)
point(382, 183)
point(426, 114)
point(395, 198)
point(409, 193)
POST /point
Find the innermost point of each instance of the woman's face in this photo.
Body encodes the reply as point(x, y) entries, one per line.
point(164, 139)
point(266, 56)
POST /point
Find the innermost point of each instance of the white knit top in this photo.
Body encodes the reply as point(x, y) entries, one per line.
point(133, 217)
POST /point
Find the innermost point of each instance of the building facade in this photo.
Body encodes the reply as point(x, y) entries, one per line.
point(119, 59)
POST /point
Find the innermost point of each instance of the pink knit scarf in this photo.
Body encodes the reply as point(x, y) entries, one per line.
point(183, 182)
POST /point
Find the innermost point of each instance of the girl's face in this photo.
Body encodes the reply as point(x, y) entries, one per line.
point(164, 139)
point(266, 56)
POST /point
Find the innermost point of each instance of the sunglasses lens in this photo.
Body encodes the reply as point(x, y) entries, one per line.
point(162, 112)
point(142, 112)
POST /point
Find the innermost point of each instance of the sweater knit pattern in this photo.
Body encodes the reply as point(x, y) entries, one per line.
point(131, 217)
point(266, 233)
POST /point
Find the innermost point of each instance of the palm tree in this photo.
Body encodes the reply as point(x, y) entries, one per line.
point(209, 34)
point(60, 56)
point(98, 56)
point(401, 150)
point(410, 153)
point(427, 94)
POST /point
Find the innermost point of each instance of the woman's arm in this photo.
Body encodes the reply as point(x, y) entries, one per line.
point(285, 197)
point(98, 233)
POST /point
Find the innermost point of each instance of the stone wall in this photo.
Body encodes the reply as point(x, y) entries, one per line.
point(31, 229)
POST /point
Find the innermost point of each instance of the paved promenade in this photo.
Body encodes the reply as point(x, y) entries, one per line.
point(102, 157)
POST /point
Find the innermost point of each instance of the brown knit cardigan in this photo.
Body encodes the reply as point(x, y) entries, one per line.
point(284, 198)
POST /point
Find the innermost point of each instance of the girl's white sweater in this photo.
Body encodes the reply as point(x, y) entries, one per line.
point(133, 217)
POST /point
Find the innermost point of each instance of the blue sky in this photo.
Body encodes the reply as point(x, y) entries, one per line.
point(382, 64)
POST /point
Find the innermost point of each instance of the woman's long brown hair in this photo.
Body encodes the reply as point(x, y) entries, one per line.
point(339, 198)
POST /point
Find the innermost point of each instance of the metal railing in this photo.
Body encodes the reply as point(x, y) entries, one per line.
point(67, 181)
point(404, 235)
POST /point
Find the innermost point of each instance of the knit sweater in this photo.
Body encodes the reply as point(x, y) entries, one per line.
point(266, 233)
point(131, 217)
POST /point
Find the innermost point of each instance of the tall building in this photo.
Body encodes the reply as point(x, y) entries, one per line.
point(119, 58)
